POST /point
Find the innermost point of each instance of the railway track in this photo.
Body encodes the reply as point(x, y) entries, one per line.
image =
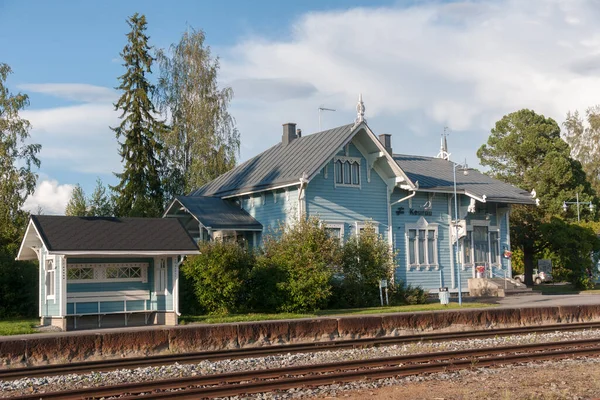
point(190, 358)
point(248, 382)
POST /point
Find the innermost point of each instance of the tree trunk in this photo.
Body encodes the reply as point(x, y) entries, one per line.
point(528, 262)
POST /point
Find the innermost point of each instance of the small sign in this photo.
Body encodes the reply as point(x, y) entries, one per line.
point(383, 283)
point(545, 266)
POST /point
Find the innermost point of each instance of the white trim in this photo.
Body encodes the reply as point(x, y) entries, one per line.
point(260, 190)
point(358, 225)
point(173, 282)
point(63, 286)
point(123, 252)
point(336, 225)
point(100, 272)
point(422, 224)
point(18, 257)
point(351, 161)
point(158, 266)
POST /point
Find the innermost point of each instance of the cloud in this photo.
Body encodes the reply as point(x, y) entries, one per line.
point(49, 196)
point(79, 92)
point(432, 64)
point(272, 89)
point(76, 138)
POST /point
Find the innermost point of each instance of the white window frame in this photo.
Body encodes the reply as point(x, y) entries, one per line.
point(50, 277)
point(358, 225)
point(100, 272)
point(350, 160)
point(498, 261)
point(422, 225)
point(161, 281)
point(336, 225)
point(490, 229)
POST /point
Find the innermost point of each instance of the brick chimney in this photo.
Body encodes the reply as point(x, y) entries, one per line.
point(289, 133)
point(386, 141)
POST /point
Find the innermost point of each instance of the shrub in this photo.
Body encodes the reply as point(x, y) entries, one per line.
point(366, 260)
point(219, 276)
point(302, 255)
point(411, 295)
point(18, 285)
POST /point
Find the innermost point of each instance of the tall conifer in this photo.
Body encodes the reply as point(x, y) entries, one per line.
point(139, 192)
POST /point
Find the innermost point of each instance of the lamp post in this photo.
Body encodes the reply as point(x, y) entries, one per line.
point(464, 168)
point(589, 203)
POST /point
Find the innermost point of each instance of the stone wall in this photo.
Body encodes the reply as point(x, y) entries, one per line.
point(36, 349)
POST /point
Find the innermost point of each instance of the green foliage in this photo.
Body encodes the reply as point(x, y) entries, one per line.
point(18, 280)
point(400, 294)
point(100, 204)
point(304, 254)
point(584, 139)
point(266, 286)
point(203, 141)
point(77, 205)
point(139, 192)
point(219, 275)
point(366, 260)
point(526, 150)
point(573, 246)
point(18, 326)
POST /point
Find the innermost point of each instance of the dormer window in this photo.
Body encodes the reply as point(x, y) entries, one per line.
point(347, 171)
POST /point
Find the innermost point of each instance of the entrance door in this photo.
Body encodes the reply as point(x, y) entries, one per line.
point(481, 245)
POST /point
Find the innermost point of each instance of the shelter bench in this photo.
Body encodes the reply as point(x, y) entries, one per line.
point(100, 297)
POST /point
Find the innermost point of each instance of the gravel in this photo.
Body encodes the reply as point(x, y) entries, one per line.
point(72, 381)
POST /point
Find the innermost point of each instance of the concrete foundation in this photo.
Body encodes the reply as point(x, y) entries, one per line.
point(19, 351)
point(59, 322)
point(484, 287)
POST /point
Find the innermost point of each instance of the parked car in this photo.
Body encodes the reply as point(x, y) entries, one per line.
point(538, 278)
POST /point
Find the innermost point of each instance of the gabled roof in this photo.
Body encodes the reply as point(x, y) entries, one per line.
point(215, 213)
point(108, 235)
point(436, 174)
point(280, 165)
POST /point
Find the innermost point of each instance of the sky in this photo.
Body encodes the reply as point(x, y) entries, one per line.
point(420, 66)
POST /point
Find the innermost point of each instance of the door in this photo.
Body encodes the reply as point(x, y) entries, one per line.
point(481, 246)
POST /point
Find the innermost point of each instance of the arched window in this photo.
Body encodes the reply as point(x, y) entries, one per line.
point(355, 173)
point(347, 171)
point(339, 175)
point(347, 177)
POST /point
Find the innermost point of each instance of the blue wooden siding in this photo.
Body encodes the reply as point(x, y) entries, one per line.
point(348, 204)
point(428, 279)
point(272, 209)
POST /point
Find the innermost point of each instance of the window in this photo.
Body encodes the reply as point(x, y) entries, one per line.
point(50, 281)
point(107, 272)
point(347, 171)
point(335, 230)
point(80, 273)
point(467, 248)
point(160, 279)
point(422, 247)
point(495, 247)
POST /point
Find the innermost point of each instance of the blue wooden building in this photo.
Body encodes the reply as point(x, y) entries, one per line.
point(107, 272)
point(347, 176)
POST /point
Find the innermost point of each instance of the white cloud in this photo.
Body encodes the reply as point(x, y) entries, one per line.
point(50, 196)
point(426, 66)
point(73, 91)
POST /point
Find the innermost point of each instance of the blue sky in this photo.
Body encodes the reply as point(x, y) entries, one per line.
point(420, 66)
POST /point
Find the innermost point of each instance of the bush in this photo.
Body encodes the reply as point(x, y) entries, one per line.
point(366, 260)
point(302, 256)
point(266, 289)
point(18, 286)
point(411, 295)
point(219, 276)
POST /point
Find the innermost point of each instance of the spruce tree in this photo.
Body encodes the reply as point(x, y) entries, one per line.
point(139, 192)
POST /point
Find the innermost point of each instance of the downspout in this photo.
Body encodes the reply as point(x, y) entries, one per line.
point(176, 286)
point(414, 192)
point(452, 277)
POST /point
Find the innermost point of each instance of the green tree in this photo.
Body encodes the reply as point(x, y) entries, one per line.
point(526, 150)
point(203, 141)
point(219, 275)
point(139, 192)
point(366, 260)
point(17, 181)
point(584, 139)
point(303, 256)
point(77, 205)
point(100, 204)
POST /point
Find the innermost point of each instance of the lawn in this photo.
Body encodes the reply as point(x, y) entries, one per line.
point(217, 319)
point(18, 326)
point(564, 289)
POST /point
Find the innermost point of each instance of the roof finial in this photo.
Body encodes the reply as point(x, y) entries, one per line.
point(360, 111)
point(443, 154)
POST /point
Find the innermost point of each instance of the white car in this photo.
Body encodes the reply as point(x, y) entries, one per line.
point(538, 278)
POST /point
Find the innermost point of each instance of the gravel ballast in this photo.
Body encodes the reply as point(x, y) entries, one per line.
point(66, 382)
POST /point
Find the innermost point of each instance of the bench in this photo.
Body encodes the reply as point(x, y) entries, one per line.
point(101, 297)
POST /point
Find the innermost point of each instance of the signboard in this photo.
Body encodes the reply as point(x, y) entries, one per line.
point(545, 265)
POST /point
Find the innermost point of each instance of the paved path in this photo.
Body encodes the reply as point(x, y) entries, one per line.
point(542, 300)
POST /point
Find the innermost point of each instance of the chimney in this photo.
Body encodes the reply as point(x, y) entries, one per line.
point(299, 133)
point(386, 141)
point(289, 133)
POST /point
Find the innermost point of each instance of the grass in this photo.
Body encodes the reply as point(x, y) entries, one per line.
point(218, 319)
point(564, 289)
point(18, 326)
